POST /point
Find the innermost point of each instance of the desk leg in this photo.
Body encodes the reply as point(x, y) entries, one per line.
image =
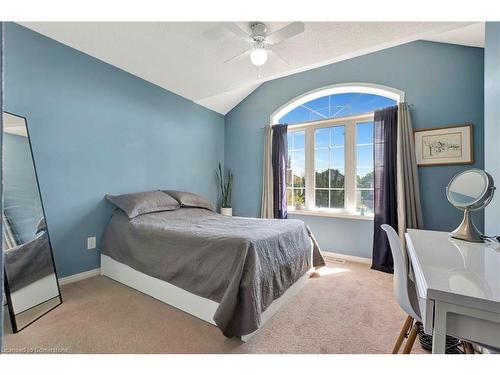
point(439, 330)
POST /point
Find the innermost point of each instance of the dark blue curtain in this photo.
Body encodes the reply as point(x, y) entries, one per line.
point(385, 199)
point(279, 161)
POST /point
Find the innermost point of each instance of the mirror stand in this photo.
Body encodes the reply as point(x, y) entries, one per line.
point(467, 231)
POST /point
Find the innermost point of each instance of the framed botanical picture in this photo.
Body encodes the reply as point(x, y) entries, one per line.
point(445, 145)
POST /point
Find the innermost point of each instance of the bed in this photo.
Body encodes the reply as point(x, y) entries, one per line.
point(233, 272)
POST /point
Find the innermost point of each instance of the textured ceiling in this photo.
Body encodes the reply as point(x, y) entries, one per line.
point(188, 57)
point(472, 35)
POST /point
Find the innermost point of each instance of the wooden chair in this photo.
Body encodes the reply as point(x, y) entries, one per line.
point(404, 291)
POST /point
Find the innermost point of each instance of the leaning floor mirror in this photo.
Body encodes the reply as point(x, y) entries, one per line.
point(31, 285)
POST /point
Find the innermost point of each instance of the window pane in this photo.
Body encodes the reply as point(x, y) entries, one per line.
point(321, 137)
point(296, 176)
point(321, 159)
point(299, 180)
point(364, 167)
point(322, 198)
point(364, 178)
point(298, 161)
point(289, 137)
point(337, 136)
point(299, 197)
point(299, 140)
point(322, 179)
point(296, 115)
point(364, 199)
point(337, 178)
point(337, 199)
point(319, 105)
point(337, 157)
point(338, 105)
point(289, 178)
point(364, 133)
point(289, 197)
point(364, 156)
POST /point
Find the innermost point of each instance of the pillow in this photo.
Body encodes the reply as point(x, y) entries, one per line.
point(41, 225)
point(135, 204)
point(186, 199)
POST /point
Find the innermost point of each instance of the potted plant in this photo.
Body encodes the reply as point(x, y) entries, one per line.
point(299, 201)
point(362, 209)
point(225, 189)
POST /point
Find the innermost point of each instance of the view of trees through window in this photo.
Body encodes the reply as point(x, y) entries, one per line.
point(364, 167)
point(342, 152)
point(295, 177)
point(329, 165)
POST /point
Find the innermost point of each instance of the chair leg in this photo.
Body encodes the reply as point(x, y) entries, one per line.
point(411, 339)
point(402, 334)
point(468, 348)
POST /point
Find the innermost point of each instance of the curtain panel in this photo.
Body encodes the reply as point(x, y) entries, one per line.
point(279, 157)
point(266, 208)
point(385, 193)
point(397, 191)
point(408, 191)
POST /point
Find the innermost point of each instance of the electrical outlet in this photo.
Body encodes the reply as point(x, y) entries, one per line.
point(91, 243)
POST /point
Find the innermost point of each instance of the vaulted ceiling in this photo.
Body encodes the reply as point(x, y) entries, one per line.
point(187, 58)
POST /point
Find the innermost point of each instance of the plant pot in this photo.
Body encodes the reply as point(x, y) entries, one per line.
point(226, 211)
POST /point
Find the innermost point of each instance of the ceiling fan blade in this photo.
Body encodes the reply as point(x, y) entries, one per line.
point(276, 54)
point(239, 56)
point(236, 30)
point(286, 32)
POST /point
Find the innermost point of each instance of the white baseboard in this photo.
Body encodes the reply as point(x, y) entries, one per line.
point(350, 258)
point(79, 276)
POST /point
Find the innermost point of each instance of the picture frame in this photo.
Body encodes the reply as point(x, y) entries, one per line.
point(446, 145)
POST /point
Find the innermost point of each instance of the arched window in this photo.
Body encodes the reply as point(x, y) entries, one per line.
point(330, 148)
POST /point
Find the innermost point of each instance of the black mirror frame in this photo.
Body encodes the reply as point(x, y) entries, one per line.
point(12, 315)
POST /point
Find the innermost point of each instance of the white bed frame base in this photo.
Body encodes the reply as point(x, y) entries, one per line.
point(197, 306)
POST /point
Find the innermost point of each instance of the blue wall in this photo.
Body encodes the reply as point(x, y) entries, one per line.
point(491, 120)
point(443, 82)
point(21, 199)
point(96, 129)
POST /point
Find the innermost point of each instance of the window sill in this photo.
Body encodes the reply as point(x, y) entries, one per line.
point(341, 215)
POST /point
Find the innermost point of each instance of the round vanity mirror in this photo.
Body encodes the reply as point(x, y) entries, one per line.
point(469, 191)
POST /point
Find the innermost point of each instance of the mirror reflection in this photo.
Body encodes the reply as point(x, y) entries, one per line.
point(30, 277)
point(467, 188)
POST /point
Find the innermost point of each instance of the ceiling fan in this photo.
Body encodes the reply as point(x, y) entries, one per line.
point(261, 40)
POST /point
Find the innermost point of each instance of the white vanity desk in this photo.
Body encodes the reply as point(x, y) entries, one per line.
point(458, 287)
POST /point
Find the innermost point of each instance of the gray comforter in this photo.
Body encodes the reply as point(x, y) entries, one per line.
point(241, 263)
point(29, 262)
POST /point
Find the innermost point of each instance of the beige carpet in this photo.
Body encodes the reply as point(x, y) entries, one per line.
point(349, 309)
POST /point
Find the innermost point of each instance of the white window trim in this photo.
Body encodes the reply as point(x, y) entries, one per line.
point(341, 88)
point(350, 142)
point(349, 123)
point(334, 214)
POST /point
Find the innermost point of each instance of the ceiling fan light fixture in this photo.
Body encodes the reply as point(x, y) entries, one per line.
point(258, 56)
